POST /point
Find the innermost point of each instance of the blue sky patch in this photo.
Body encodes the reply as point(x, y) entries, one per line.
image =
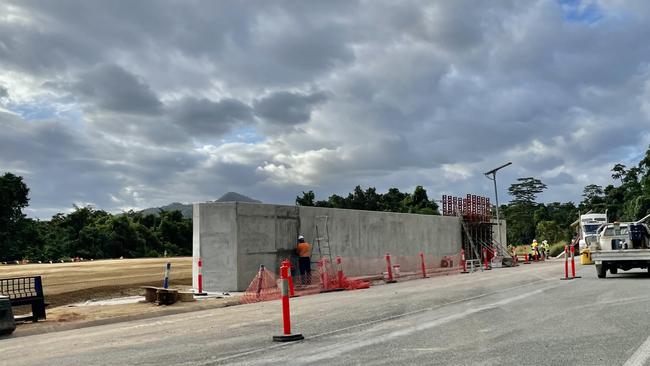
point(248, 135)
point(45, 111)
point(33, 111)
point(579, 11)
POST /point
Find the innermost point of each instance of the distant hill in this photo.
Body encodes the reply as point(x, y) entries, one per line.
point(236, 197)
point(186, 208)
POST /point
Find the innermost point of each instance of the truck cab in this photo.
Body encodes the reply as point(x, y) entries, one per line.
point(621, 245)
point(588, 226)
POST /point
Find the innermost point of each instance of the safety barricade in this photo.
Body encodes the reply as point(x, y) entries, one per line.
point(262, 288)
point(350, 274)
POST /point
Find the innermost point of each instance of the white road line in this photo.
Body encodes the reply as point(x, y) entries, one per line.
point(641, 355)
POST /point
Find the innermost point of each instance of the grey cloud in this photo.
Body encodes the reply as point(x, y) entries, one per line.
point(410, 86)
point(288, 108)
point(112, 88)
point(177, 123)
point(57, 165)
point(39, 53)
point(24, 144)
point(138, 129)
point(204, 116)
point(560, 179)
point(62, 167)
point(231, 37)
point(4, 93)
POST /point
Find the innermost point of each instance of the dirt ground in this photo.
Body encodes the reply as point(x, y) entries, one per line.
point(68, 283)
point(74, 317)
point(65, 284)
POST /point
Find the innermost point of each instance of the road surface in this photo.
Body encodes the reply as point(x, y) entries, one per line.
point(510, 316)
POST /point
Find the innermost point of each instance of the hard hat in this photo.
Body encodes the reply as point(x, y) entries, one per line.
point(300, 237)
point(534, 240)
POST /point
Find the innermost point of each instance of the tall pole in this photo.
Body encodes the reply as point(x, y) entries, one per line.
point(493, 172)
point(496, 196)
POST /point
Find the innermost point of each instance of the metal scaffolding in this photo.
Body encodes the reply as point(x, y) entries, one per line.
point(477, 225)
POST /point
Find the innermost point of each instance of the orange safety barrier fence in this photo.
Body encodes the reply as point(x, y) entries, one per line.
point(351, 274)
point(263, 287)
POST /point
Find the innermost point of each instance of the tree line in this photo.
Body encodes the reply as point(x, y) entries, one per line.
point(527, 219)
point(392, 201)
point(627, 199)
point(85, 232)
point(91, 233)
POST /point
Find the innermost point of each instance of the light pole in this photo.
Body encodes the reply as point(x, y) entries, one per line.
point(493, 172)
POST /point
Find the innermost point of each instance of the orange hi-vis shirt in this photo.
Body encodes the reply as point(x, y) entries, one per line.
point(304, 249)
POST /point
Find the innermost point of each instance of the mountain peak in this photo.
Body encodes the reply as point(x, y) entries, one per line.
point(186, 208)
point(236, 197)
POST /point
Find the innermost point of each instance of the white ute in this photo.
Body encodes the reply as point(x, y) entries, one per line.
point(624, 245)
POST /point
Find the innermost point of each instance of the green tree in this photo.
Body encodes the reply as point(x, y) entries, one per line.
point(369, 199)
point(526, 191)
point(307, 199)
point(357, 199)
point(419, 202)
point(549, 230)
point(14, 197)
point(594, 198)
point(175, 233)
point(392, 201)
point(521, 211)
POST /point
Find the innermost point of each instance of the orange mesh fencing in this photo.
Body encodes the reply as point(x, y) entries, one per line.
point(356, 273)
point(263, 287)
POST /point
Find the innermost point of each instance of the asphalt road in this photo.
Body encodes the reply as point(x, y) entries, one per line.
point(511, 316)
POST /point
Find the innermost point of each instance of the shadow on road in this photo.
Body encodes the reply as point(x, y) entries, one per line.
point(628, 276)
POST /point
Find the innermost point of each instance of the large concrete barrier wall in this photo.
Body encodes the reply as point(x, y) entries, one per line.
point(235, 238)
point(214, 239)
point(504, 232)
point(363, 237)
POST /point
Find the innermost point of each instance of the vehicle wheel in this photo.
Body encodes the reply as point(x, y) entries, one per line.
point(601, 270)
point(613, 270)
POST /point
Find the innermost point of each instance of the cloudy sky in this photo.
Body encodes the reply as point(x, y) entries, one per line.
point(133, 104)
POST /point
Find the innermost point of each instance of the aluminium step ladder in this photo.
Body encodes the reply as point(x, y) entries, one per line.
point(322, 237)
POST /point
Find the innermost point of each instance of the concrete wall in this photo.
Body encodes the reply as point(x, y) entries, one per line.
point(215, 240)
point(495, 232)
point(359, 236)
point(235, 238)
point(266, 235)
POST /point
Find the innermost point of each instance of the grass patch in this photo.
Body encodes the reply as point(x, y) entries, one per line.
point(554, 249)
point(522, 249)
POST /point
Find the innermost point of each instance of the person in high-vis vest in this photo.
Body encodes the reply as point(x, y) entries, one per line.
point(547, 249)
point(534, 248)
point(303, 249)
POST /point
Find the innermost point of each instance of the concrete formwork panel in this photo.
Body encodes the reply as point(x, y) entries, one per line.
point(266, 235)
point(215, 241)
point(363, 236)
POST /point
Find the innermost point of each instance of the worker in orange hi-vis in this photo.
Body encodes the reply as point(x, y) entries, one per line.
point(303, 249)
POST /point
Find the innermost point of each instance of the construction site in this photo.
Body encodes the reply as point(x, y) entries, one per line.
point(234, 239)
point(383, 287)
point(239, 249)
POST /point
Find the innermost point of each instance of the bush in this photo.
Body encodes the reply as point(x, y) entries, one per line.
point(557, 248)
point(522, 249)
